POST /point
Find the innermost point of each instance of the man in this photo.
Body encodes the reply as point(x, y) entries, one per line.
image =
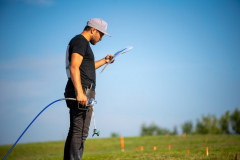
point(80, 65)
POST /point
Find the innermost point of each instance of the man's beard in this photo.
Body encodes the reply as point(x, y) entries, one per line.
point(93, 42)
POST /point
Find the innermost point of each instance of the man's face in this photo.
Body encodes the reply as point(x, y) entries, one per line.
point(96, 37)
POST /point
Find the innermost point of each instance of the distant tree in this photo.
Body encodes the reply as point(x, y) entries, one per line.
point(224, 122)
point(162, 131)
point(113, 135)
point(149, 130)
point(235, 121)
point(144, 130)
point(153, 129)
point(174, 132)
point(187, 127)
point(208, 125)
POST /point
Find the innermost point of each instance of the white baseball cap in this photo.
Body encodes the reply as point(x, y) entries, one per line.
point(99, 24)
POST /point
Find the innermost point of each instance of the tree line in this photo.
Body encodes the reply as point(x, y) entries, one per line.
point(228, 123)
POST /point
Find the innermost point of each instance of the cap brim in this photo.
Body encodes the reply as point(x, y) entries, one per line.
point(100, 30)
point(106, 34)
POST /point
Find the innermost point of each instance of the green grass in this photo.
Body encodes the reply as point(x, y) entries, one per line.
point(220, 147)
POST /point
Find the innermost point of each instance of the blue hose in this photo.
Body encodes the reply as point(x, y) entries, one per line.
point(90, 101)
point(33, 121)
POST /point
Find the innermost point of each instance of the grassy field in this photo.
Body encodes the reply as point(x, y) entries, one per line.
point(221, 147)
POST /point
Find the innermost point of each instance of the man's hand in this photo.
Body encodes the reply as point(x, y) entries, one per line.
point(108, 58)
point(82, 99)
point(103, 61)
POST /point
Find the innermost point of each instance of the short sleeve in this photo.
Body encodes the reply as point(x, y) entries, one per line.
point(79, 46)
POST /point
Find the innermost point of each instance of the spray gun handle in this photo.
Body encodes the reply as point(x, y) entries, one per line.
point(91, 102)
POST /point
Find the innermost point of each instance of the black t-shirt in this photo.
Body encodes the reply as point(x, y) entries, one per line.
point(79, 44)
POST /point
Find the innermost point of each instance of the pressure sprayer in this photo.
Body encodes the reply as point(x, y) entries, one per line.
point(91, 103)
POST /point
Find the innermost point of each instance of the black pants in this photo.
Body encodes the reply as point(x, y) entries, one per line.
point(79, 127)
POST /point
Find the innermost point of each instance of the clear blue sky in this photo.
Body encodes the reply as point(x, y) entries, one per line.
point(185, 63)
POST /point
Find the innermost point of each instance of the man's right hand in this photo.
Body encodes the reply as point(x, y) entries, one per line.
point(82, 99)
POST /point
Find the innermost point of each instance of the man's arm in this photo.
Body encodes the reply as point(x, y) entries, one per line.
point(103, 61)
point(75, 76)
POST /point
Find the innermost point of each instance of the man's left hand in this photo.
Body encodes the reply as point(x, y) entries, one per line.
point(108, 58)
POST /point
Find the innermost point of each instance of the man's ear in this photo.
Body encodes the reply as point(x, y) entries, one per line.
point(93, 30)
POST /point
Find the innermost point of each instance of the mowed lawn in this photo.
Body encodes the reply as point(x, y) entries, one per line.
point(221, 147)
